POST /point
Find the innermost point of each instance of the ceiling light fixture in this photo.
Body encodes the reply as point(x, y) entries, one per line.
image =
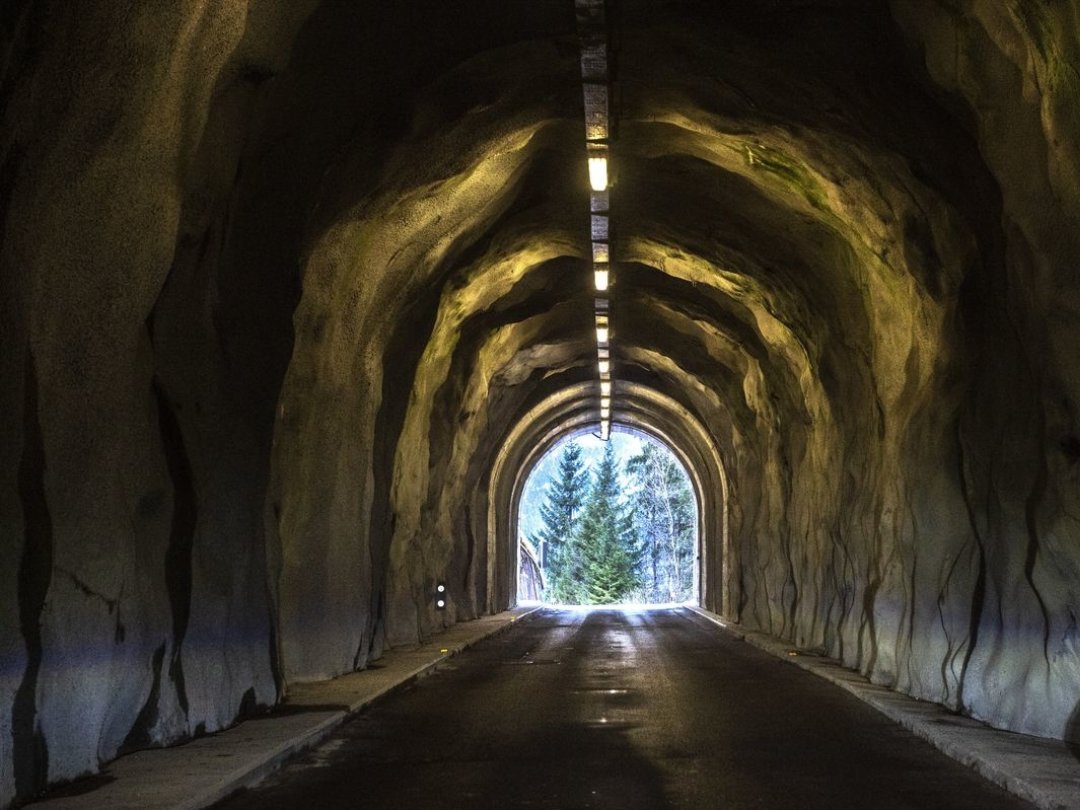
point(602, 331)
point(596, 79)
point(598, 173)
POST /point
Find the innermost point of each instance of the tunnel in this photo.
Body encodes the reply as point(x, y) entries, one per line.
point(292, 294)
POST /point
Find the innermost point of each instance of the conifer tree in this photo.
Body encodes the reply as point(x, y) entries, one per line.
point(604, 544)
point(560, 513)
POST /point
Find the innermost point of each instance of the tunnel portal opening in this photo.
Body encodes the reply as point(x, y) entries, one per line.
point(608, 522)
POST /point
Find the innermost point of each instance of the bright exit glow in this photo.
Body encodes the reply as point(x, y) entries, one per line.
point(605, 366)
point(605, 388)
point(542, 488)
point(605, 402)
point(598, 177)
point(600, 277)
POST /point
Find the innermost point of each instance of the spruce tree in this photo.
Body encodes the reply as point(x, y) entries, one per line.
point(604, 544)
point(560, 513)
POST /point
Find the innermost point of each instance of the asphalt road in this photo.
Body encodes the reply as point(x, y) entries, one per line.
point(621, 709)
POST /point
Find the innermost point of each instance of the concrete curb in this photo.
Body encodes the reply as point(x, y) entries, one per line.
point(1041, 771)
point(257, 768)
point(208, 769)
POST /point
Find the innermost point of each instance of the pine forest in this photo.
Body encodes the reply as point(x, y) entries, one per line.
point(616, 531)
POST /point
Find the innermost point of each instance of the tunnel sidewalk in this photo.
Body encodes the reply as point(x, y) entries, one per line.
point(202, 772)
point(206, 770)
point(1044, 772)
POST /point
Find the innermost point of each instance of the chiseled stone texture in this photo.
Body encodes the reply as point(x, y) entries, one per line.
point(1016, 74)
point(279, 282)
point(133, 506)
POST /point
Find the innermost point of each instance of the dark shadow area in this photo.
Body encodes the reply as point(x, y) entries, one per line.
point(286, 709)
point(81, 787)
point(481, 735)
point(1072, 733)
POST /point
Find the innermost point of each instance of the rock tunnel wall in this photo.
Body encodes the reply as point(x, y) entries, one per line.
point(277, 282)
point(136, 410)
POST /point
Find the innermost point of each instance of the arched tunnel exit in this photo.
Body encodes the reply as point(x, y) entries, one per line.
point(572, 411)
point(292, 294)
point(641, 531)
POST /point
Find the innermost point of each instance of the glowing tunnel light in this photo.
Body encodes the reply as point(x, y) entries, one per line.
point(592, 25)
point(602, 332)
point(601, 277)
point(598, 174)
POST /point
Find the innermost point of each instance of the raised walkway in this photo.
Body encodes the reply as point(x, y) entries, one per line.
point(1044, 772)
point(206, 770)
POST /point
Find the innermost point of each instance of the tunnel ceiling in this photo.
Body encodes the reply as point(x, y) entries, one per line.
point(282, 282)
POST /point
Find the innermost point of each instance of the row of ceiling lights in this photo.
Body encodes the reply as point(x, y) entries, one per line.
point(595, 78)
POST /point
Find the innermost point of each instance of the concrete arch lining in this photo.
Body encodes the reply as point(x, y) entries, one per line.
point(637, 407)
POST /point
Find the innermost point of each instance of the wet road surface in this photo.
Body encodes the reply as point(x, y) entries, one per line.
point(621, 709)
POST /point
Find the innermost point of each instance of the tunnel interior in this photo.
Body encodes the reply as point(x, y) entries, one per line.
point(292, 293)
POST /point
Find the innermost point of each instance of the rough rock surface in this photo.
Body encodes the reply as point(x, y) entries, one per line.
point(292, 295)
point(134, 455)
